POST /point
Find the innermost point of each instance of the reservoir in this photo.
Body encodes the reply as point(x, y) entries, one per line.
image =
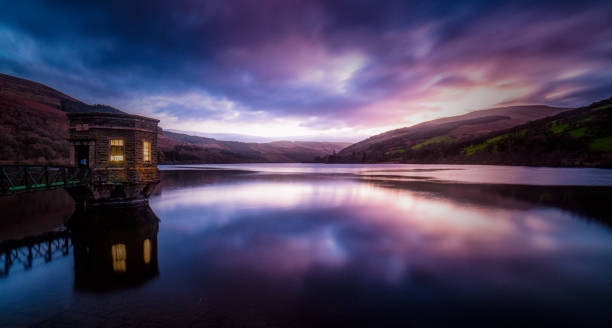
point(306, 245)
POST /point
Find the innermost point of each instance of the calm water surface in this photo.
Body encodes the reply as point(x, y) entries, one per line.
point(312, 245)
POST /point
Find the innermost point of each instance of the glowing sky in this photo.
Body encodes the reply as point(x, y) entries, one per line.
point(310, 70)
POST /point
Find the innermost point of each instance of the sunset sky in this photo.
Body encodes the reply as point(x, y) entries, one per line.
point(310, 70)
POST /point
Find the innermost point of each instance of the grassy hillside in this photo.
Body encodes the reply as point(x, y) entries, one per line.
point(32, 133)
point(580, 137)
point(33, 126)
point(444, 130)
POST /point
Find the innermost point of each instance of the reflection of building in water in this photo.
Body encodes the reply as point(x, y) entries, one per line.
point(114, 247)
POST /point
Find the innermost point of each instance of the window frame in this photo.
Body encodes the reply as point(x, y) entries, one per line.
point(146, 151)
point(110, 150)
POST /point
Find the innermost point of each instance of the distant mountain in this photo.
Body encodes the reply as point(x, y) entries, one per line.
point(182, 148)
point(578, 137)
point(261, 139)
point(34, 130)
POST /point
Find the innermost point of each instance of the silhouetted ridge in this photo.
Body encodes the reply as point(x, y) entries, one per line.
point(70, 106)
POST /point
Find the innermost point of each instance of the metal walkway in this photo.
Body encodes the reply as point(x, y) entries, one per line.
point(21, 178)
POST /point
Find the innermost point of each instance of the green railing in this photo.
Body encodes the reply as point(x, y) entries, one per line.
point(21, 178)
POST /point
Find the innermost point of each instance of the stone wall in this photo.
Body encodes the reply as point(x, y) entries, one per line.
point(99, 128)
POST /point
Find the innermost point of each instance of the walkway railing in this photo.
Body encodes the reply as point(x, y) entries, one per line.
point(31, 249)
point(19, 178)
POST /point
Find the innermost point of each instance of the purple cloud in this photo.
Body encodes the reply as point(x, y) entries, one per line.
point(319, 67)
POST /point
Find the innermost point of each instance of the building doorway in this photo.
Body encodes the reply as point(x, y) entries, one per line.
point(82, 155)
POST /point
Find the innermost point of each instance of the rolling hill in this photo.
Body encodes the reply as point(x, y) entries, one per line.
point(444, 130)
point(578, 137)
point(182, 148)
point(34, 130)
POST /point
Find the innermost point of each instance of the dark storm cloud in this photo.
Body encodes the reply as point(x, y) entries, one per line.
point(359, 63)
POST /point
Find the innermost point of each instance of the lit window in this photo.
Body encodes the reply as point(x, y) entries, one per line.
point(147, 251)
point(119, 257)
point(116, 150)
point(146, 151)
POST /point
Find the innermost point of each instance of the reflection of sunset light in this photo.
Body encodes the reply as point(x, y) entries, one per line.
point(395, 229)
point(538, 224)
point(291, 255)
point(401, 209)
point(246, 195)
point(487, 174)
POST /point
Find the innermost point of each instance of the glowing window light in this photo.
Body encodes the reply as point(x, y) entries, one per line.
point(116, 150)
point(147, 251)
point(146, 151)
point(119, 257)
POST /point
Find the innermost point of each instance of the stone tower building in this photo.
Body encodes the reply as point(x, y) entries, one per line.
point(121, 153)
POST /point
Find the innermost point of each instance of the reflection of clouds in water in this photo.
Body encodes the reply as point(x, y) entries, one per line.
point(251, 195)
point(522, 175)
point(397, 207)
point(286, 229)
point(286, 255)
